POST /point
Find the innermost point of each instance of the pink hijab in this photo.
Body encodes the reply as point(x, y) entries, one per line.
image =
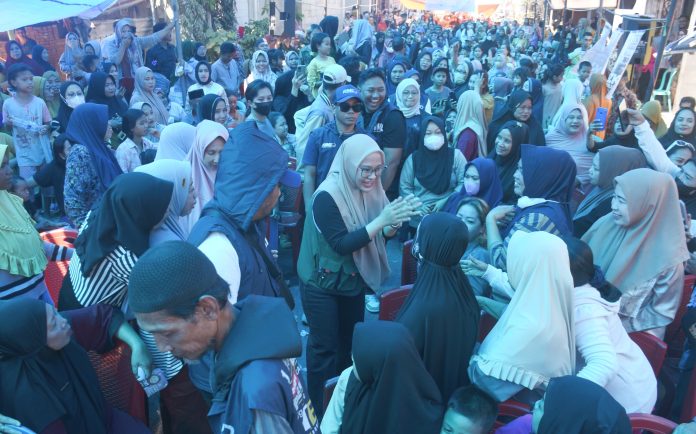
point(203, 176)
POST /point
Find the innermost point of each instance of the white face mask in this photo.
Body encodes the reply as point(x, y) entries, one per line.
point(434, 142)
point(472, 187)
point(75, 101)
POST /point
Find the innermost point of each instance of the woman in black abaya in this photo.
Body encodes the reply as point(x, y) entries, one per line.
point(441, 311)
point(387, 390)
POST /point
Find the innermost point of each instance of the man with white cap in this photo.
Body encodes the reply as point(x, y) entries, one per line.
point(320, 112)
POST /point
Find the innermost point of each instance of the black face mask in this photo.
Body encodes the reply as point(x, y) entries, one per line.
point(263, 108)
point(684, 190)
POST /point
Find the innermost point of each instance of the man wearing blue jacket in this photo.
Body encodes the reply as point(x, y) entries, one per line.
point(177, 296)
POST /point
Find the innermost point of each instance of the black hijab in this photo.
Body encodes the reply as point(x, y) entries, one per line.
point(206, 106)
point(441, 311)
point(671, 135)
point(36, 56)
point(574, 405)
point(507, 165)
point(64, 112)
point(395, 393)
point(535, 134)
point(130, 208)
point(95, 94)
point(34, 377)
point(210, 72)
point(433, 169)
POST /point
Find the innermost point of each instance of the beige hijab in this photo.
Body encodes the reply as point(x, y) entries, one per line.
point(141, 95)
point(654, 240)
point(470, 114)
point(203, 176)
point(359, 208)
point(534, 340)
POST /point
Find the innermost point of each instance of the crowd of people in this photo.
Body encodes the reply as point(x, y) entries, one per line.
point(526, 192)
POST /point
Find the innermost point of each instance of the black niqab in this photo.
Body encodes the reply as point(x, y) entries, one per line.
point(395, 393)
point(40, 385)
point(433, 169)
point(441, 311)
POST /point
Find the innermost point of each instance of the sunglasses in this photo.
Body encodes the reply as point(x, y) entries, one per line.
point(345, 107)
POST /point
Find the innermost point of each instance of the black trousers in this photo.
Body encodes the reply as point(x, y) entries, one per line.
point(331, 320)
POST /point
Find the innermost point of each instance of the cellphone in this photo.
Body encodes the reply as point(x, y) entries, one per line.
point(601, 116)
point(301, 70)
point(622, 108)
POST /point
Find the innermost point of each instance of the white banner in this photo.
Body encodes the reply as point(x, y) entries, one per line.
point(623, 60)
point(17, 13)
point(611, 46)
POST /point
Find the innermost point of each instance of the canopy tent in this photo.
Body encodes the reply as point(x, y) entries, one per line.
point(16, 13)
point(470, 6)
point(583, 4)
point(686, 44)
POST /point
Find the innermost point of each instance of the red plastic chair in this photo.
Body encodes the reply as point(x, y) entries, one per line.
point(391, 301)
point(652, 423)
point(56, 270)
point(674, 335)
point(117, 382)
point(409, 265)
point(509, 411)
point(329, 387)
point(689, 406)
point(486, 324)
point(654, 348)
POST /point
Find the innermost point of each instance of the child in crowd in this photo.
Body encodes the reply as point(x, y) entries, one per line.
point(469, 411)
point(438, 93)
point(29, 119)
point(321, 44)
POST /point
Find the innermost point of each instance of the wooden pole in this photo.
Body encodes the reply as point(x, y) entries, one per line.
point(179, 50)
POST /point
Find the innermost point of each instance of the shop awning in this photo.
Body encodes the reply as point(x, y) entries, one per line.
point(583, 4)
point(470, 6)
point(20, 13)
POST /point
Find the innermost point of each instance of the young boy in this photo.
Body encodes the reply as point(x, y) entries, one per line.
point(584, 72)
point(29, 119)
point(469, 411)
point(438, 93)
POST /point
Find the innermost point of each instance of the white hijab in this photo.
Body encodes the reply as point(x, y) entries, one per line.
point(534, 340)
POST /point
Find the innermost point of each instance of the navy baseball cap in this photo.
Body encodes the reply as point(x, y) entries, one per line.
point(344, 93)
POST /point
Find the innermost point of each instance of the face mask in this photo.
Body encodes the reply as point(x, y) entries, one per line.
point(684, 190)
point(390, 50)
point(434, 142)
point(75, 101)
point(263, 108)
point(472, 187)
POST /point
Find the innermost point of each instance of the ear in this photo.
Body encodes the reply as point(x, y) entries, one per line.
point(208, 308)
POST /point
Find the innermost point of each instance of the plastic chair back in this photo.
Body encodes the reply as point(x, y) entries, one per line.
point(652, 423)
point(409, 265)
point(391, 301)
point(654, 348)
point(674, 335)
point(329, 387)
point(56, 270)
point(117, 382)
point(509, 411)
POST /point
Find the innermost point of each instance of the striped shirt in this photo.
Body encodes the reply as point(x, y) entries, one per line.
point(532, 222)
point(107, 282)
point(12, 285)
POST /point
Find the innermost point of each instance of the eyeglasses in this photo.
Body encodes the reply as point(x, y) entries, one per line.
point(366, 172)
point(345, 107)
